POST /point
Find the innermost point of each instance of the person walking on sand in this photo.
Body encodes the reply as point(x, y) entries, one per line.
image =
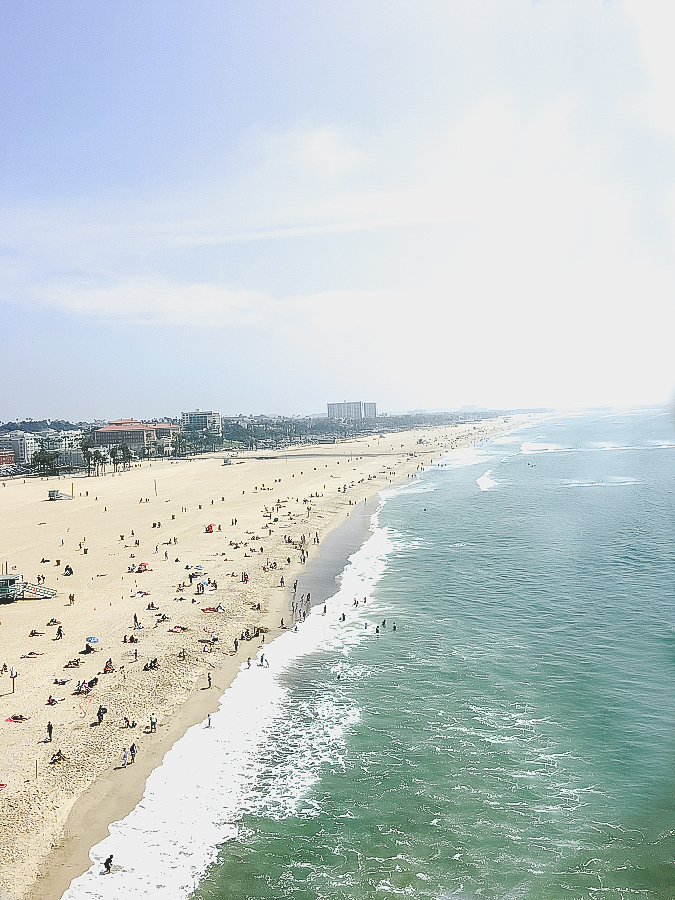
point(108, 865)
point(153, 723)
point(125, 758)
point(59, 633)
point(133, 750)
point(50, 729)
point(208, 678)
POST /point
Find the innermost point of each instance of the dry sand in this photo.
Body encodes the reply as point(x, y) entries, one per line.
point(48, 822)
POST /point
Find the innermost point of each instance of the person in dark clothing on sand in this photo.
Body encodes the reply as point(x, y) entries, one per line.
point(108, 864)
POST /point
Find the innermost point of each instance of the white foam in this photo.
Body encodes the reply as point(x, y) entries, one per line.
point(611, 481)
point(535, 447)
point(194, 801)
point(462, 457)
point(506, 439)
point(485, 482)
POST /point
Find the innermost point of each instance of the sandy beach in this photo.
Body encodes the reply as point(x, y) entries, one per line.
point(248, 525)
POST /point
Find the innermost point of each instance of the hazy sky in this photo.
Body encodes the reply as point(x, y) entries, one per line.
point(262, 206)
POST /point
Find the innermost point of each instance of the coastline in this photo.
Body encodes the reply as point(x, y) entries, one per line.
point(85, 826)
point(109, 797)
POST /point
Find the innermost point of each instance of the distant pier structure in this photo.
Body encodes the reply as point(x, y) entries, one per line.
point(354, 410)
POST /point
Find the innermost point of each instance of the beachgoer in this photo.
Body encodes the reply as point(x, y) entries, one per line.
point(208, 677)
point(153, 723)
point(50, 729)
point(108, 864)
point(133, 750)
point(125, 758)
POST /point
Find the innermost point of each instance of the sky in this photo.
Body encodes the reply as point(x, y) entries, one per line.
point(261, 206)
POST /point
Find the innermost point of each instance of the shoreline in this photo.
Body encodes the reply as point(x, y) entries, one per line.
point(109, 795)
point(71, 857)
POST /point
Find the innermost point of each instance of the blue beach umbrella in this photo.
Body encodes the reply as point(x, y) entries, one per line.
point(92, 640)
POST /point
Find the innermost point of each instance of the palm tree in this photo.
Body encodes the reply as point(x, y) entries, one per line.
point(97, 459)
point(178, 444)
point(126, 456)
point(45, 461)
point(113, 453)
point(86, 443)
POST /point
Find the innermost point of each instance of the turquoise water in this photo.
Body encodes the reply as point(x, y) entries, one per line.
point(515, 736)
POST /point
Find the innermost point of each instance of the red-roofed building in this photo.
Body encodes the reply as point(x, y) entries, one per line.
point(136, 435)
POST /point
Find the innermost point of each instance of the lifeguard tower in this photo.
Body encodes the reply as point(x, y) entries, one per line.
point(13, 587)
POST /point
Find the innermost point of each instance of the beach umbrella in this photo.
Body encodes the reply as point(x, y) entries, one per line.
point(92, 640)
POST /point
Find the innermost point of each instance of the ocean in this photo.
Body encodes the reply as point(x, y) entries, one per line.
point(513, 736)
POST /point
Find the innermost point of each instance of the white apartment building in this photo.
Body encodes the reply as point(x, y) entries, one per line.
point(23, 443)
point(202, 420)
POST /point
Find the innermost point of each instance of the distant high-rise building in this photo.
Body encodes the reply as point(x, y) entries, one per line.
point(202, 420)
point(356, 410)
point(345, 410)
